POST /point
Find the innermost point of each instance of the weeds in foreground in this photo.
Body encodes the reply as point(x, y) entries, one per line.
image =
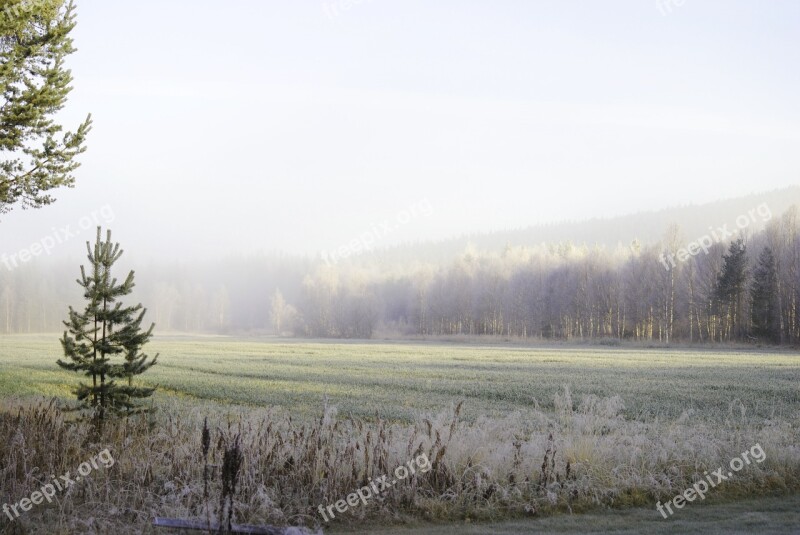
point(277, 471)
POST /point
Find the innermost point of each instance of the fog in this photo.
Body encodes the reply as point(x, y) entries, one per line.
point(306, 127)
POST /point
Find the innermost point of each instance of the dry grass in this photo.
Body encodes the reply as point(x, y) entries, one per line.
point(582, 455)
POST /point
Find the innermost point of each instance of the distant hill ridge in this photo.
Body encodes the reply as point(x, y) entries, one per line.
point(646, 227)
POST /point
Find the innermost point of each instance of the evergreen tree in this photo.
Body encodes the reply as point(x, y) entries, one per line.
point(35, 156)
point(763, 298)
point(104, 342)
point(729, 290)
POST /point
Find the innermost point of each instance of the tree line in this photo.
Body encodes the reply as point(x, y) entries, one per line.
point(745, 288)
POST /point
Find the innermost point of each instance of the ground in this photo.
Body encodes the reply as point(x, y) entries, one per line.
point(634, 423)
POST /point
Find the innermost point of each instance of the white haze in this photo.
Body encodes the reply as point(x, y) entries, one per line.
point(300, 126)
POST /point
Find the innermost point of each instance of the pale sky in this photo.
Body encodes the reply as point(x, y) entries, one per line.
point(298, 125)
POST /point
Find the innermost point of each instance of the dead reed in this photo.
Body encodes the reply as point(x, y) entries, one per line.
point(276, 470)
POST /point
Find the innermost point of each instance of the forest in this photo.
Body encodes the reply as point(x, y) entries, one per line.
point(744, 288)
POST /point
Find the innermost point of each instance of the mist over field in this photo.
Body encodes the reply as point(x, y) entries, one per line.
point(652, 277)
point(362, 266)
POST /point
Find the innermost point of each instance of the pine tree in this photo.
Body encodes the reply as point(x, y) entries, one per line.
point(729, 289)
point(35, 157)
point(763, 298)
point(104, 342)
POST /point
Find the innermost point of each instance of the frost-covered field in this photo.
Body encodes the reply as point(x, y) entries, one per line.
point(510, 432)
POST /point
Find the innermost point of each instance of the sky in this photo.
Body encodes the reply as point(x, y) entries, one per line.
point(300, 126)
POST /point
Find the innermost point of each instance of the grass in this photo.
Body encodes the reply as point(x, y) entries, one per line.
point(542, 431)
point(402, 380)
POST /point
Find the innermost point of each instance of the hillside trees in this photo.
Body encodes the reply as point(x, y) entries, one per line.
point(785, 238)
point(278, 312)
point(554, 291)
point(729, 291)
point(764, 298)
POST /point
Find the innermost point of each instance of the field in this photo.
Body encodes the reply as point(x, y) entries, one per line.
point(401, 380)
point(540, 432)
